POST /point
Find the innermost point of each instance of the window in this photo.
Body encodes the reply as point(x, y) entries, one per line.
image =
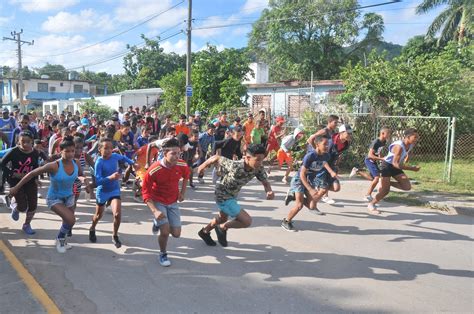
point(61, 84)
point(78, 88)
point(42, 87)
point(52, 89)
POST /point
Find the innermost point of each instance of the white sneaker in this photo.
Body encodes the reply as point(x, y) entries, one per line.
point(67, 245)
point(40, 195)
point(61, 245)
point(328, 200)
point(353, 172)
point(284, 180)
point(368, 198)
point(373, 209)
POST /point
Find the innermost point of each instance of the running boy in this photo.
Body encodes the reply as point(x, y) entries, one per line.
point(393, 166)
point(236, 174)
point(108, 188)
point(161, 194)
point(284, 153)
point(24, 159)
point(311, 181)
point(374, 155)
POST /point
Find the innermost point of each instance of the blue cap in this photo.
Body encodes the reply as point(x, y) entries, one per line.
point(84, 121)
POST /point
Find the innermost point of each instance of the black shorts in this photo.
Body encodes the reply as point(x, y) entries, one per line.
point(388, 170)
point(108, 201)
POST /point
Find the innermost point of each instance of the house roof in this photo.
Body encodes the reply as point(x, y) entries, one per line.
point(146, 91)
point(42, 79)
point(297, 84)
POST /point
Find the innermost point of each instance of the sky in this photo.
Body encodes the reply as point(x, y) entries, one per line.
point(94, 33)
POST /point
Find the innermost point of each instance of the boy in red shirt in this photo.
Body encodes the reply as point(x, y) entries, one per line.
point(161, 193)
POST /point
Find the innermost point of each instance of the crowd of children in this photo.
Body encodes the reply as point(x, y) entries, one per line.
point(80, 151)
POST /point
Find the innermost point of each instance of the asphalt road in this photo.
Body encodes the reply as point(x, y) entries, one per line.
point(408, 259)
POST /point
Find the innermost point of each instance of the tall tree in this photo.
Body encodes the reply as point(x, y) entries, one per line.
point(297, 37)
point(145, 66)
point(455, 22)
point(54, 71)
point(217, 81)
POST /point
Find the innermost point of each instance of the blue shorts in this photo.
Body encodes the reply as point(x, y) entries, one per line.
point(172, 213)
point(68, 201)
point(229, 207)
point(372, 167)
point(297, 186)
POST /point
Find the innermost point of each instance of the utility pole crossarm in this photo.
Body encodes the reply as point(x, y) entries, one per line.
point(16, 36)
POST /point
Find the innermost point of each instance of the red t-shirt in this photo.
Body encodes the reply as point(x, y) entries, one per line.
point(161, 184)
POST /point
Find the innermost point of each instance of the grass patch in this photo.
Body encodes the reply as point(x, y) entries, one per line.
point(408, 199)
point(430, 176)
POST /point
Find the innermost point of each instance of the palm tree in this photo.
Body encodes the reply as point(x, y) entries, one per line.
point(455, 22)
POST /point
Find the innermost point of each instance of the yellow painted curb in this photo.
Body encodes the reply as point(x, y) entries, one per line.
point(35, 288)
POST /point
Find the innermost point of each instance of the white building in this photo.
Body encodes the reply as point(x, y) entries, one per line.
point(35, 91)
point(133, 97)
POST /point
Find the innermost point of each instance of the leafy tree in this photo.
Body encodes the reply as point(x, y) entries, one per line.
point(438, 85)
point(174, 85)
point(54, 71)
point(145, 66)
point(297, 37)
point(420, 46)
point(91, 105)
point(217, 82)
point(217, 78)
point(455, 22)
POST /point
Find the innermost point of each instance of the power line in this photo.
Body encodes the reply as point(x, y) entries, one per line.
point(291, 18)
point(109, 58)
point(114, 36)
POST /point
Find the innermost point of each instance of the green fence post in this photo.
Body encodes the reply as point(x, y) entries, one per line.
point(451, 150)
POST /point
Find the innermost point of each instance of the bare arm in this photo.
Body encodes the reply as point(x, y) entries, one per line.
point(268, 190)
point(397, 154)
point(329, 169)
point(310, 140)
point(304, 180)
point(51, 167)
point(207, 163)
point(372, 155)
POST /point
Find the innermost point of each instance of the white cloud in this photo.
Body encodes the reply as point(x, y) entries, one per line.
point(130, 12)
point(178, 47)
point(241, 31)
point(37, 55)
point(4, 20)
point(43, 5)
point(214, 21)
point(253, 6)
point(218, 47)
point(74, 23)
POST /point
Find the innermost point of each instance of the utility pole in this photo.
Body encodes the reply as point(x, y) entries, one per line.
point(16, 36)
point(189, 89)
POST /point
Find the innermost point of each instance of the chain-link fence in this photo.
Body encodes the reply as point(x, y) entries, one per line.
point(431, 152)
point(462, 172)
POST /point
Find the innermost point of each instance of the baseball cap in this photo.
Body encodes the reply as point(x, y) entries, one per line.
point(345, 128)
point(5, 110)
point(262, 110)
point(72, 124)
point(280, 119)
point(197, 113)
point(84, 121)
